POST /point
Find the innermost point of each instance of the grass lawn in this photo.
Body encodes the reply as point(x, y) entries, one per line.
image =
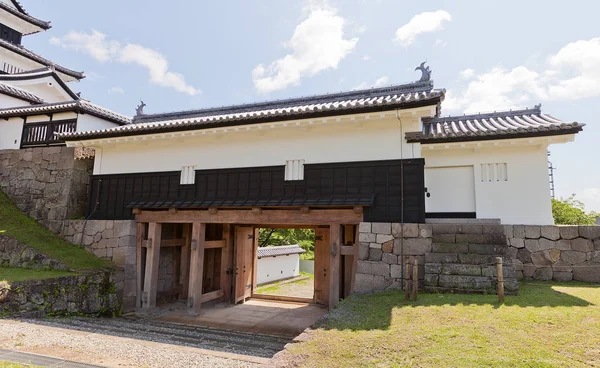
point(548, 325)
point(24, 274)
point(17, 225)
point(299, 288)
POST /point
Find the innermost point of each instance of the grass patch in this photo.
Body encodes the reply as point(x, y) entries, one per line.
point(287, 287)
point(548, 325)
point(25, 274)
point(17, 225)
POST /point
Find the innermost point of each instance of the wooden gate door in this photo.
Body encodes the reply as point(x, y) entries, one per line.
point(322, 266)
point(244, 252)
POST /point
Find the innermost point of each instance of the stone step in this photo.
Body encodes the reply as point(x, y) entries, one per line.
point(470, 248)
point(467, 283)
point(499, 239)
point(468, 258)
point(468, 269)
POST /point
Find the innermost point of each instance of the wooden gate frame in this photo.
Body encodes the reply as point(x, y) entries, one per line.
point(334, 218)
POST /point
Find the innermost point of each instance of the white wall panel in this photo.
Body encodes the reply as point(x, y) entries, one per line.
point(271, 269)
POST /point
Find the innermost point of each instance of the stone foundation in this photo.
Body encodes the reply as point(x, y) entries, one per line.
point(46, 183)
point(92, 294)
point(13, 253)
point(114, 240)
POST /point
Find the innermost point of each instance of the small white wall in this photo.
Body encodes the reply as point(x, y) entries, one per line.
point(10, 133)
point(364, 139)
point(9, 101)
point(46, 88)
point(87, 122)
point(523, 199)
point(271, 269)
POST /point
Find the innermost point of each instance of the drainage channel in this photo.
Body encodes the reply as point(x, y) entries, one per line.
point(40, 360)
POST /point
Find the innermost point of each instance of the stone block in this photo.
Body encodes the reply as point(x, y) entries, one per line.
point(508, 231)
point(375, 254)
point(562, 276)
point(382, 238)
point(550, 232)
point(425, 231)
point(367, 237)
point(569, 232)
point(433, 268)
point(597, 244)
point(546, 244)
point(431, 279)
point(473, 238)
point(410, 230)
point(396, 271)
point(519, 231)
point(594, 256)
point(517, 242)
point(375, 246)
point(470, 229)
point(562, 266)
point(373, 268)
point(119, 256)
point(487, 249)
point(381, 227)
point(364, 227)
point(563, 244)
point(108, 234)
point(519, 275)
point(365, 283)
point(363, 251)
point(582, 245)
point(388, 246)
point(544, 274)
point(441, 258)
point(573, 257)
point(529, 270)
point(124, 228)
point(445, 228)
point(444, 238)
point(412, 246)
point(532, 245)
point(460, 269)
point(464, 282)
point(532, 231)
point(589, 232)
point(541, 259)
point(389, 258)
point(554, 254)
point(518, 265)
point(450, 248)
point(111, 243)
point(587, 271)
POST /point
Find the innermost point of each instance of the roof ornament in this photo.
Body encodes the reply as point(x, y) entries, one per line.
point(538, 106)
point(425, 72)
point(139, 110)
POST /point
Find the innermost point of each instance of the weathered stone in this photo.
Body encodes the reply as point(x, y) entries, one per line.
point(363, 251)
point(546, 244)
point(389, 258)
point(433, 268)
point(597, 244)
point(582, 245)
point(519, 231)
point(544, 274)
point(425, 231)
point(517, 242)
point(489, 249)
point(410, 230)
point(470, 229)
point(431, 279)
point(587, 271)
point(375, 246)
point(569, 232)
point(382, 238)
point(124, 228)
point(444, 238)
point(529, 270)
point(562, 266)
point(441, 258)
point(541, 259)
point(562, 276)
point(464, 282)
point(367, 237)
point(364, 227)
point(572, 257)
point(460, 269)
point(375, 254)
point(550, 232)
point(554, 255)
point(532, 245)
point(396, 271)
point(508, 231)
point(373, 268)
point(473, 238)
point(589, 232)
point(388, 246)
point(381, 227)
point(450, 248)
point(412, 246)
point(518, 265)
point(365, 283)
point(532, 231)
point(477, 259)
point(563, 244)
point(445, 228)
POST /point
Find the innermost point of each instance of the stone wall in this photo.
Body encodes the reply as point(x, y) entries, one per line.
point(165, 269)
point(13, 253)
point(92, 294)
point(114, 240)
point(46, 183)
point(561, 253)
point(381, 248)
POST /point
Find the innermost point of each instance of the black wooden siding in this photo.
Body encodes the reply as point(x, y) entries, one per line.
point(10, 35)
point(375, 184)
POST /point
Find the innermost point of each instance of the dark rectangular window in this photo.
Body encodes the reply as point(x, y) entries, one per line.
point(10, 35)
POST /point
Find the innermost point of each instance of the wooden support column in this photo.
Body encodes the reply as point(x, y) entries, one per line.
point(185, 262)
point(355, 259)
point(334, 264)
point(227, 262)
point(348, 260)
point(255, 259)
point(151, 274)
point(196, 267)
point(139, 264)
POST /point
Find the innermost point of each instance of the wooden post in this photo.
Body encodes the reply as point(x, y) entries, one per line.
point(415, 279)
point(196, 267)
point(140, 236)
point(255, 259)
point(334, 264)
point(500, 274)
point(185, 262)
point(151, 274)
point(407, 274)
point(355, 259)
point(226, 262)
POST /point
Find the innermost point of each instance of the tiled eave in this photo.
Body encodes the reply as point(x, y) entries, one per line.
point(249, 119)
point(19, 93)
point(79, 106)
point(42, 25)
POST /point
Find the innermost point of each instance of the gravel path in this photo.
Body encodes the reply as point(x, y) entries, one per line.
point(138, 343)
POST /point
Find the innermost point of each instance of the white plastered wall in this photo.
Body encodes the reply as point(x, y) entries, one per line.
point(87, 122)
point(523, 199)
point(10, 133)
point(271, 269)
point(344, 141)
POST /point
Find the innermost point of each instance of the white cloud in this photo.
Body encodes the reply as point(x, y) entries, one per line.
point(116, 90)
point(590, 198)
point(361, 29)
point(98, 46)
point(421, 23)
point(317, 44)
point(379, 82)
point(571, 73)
point(365, 58)
point(440, 43)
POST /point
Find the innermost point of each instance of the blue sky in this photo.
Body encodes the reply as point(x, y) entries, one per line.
point(489, 55)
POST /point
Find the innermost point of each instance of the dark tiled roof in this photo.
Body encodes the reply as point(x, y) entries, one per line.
point(361, 101)
point(21, 13)
point(39, 59)
point(19, 93)
point(281, 250)
point(76, 105)
point(40, 73)
point(496, 125)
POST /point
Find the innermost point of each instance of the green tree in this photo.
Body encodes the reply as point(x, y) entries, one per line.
point(274, 237)
point(571, 211)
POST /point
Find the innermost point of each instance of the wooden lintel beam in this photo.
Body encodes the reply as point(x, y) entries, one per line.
point(172, 243)
point(304, 209)
point(209, 244)
point(256, 210)
point(136, 211)
point(358, 209)
point(212, 211)
point(172, 210)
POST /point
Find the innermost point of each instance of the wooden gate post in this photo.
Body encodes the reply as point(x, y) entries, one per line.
point(196, 267)
point(415, 270)
point(334, 264)
point(407, 274)
point(151, 274)
point(500, 274)
point(140, 238)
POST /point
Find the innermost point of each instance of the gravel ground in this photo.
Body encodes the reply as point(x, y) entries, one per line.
point(141, 343)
